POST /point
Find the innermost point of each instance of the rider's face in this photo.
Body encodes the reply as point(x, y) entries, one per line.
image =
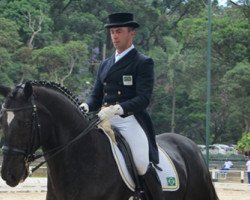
point(122, 38)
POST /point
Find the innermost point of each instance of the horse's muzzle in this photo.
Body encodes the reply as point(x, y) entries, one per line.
point(14, 174)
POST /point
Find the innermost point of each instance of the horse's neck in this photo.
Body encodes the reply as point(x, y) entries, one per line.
point(89, 155)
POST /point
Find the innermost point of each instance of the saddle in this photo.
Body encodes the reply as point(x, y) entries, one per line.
point(122, 154)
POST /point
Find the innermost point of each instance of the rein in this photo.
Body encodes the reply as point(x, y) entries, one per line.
point(29, 155)
point(91, 126)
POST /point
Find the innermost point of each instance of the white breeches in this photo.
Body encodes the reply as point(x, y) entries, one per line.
point(136, 138)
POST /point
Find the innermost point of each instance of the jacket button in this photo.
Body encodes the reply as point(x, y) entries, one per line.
point(104, 83)
point(105, 94)
point(105, 104)
point(119, 92)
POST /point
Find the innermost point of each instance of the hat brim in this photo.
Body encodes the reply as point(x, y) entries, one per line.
point(125, 24)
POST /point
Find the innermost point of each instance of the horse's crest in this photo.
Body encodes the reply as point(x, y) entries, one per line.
point(58, 87)
point(168, 175)
point(64, 91)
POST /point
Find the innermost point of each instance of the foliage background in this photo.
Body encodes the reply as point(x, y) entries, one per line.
point(65, 41)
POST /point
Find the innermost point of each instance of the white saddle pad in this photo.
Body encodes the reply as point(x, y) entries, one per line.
point(168, 176)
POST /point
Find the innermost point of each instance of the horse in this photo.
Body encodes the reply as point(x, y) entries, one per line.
point(40, 114)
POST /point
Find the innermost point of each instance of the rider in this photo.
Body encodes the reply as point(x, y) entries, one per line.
point(122, 90)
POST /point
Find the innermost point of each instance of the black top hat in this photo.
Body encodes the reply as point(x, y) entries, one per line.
point(121, 20)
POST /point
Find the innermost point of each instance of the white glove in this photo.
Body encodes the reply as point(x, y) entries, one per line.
point(85, 107)
point(109, 112)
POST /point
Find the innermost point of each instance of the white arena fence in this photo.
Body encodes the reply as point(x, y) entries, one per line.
point(219, 175)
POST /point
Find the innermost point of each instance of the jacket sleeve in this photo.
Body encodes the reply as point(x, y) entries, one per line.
point(144, 88)
point(95, 100)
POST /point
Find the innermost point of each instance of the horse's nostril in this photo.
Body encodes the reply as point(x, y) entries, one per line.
point(10, 179)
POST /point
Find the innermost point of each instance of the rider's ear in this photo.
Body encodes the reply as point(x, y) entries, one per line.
point(4, 91)
point(28, 90)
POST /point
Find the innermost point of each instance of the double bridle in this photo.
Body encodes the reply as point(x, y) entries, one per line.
point(29, 154)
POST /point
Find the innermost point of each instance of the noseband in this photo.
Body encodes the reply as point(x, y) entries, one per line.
point(29, 152)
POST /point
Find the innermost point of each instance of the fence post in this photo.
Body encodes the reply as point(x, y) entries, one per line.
point(214, 177)
point(242, 176)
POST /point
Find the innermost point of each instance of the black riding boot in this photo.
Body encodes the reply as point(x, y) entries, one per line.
point(153, 183)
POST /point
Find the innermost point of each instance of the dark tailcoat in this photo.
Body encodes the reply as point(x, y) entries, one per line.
point(128, 82)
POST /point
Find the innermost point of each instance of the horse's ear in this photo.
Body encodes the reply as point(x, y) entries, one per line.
point(28, 90)
point(4, 91)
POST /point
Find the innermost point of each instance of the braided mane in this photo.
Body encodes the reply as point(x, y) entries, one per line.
point(63, 90)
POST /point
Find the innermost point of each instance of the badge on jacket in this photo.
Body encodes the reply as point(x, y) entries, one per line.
point(127, 80)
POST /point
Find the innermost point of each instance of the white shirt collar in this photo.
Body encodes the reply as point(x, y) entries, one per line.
point(119, 56)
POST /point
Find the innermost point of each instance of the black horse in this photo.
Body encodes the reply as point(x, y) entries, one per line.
point(42, 114)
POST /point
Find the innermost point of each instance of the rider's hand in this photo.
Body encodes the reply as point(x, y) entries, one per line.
point(109, 112)
point(85, 107)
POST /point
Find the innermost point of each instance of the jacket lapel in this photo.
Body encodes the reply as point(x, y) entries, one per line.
point(124, 61)
point(107, 67)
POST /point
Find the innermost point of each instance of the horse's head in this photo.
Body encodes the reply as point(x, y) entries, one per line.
point(19, 121)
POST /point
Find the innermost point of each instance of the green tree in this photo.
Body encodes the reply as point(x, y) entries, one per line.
point(230, 44)
point(58, 63)
point(9, 41)
point(23, 64)
point(168, 87)
point(5, 62)
point(32, 19)
point(236, 85)
point(243, 144)
point(9, 37)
